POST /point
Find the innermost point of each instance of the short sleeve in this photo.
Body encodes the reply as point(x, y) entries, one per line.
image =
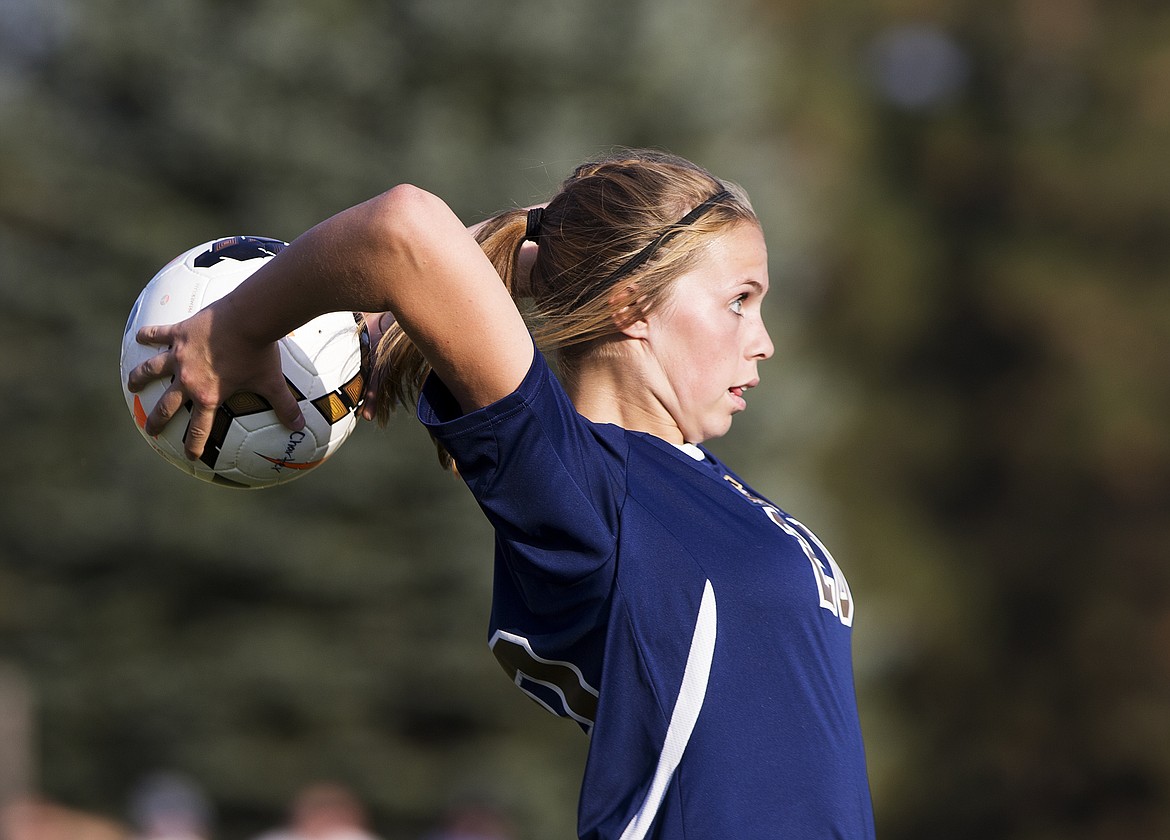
point(550, 482)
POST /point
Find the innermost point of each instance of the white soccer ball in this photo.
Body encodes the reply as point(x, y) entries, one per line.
point(323, 363)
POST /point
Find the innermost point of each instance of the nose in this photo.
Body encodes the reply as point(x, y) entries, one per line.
point(760, 346)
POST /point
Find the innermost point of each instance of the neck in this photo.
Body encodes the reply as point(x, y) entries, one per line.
point(608, 387)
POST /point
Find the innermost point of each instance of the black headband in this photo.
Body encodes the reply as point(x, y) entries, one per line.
point(639, 259)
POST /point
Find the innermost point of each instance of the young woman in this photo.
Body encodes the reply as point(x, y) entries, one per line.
point(696, 631)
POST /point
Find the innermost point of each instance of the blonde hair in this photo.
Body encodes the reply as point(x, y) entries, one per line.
point(611, 242)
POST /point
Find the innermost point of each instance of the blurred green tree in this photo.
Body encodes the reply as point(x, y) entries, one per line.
point(990, 283)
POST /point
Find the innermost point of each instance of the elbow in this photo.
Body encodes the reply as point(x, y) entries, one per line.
point(403, 198)
point(401, 216)
point(399, 232)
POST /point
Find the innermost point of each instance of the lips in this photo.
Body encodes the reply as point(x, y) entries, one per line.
point(737, 393)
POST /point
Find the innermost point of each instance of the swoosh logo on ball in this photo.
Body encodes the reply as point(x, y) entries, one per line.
point(292, 465)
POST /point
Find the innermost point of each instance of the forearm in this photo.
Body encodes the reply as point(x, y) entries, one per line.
point(363, 259)
point(403, 252)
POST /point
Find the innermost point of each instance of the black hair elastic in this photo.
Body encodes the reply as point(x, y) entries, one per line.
point(532, 230)
point(635, 262)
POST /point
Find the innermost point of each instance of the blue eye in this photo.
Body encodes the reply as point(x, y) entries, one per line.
point(737, 305)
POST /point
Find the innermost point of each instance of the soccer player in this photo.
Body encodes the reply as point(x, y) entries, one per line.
point(696, 631)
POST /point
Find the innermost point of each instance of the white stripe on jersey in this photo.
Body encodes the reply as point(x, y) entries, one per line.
point(691, 694)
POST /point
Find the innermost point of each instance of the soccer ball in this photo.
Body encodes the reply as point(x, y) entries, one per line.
point(323, 363)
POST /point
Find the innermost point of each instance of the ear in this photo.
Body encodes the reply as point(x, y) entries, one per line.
point(626, 303)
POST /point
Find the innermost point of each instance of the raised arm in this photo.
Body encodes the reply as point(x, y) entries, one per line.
point(378, 323)
point(404, 252)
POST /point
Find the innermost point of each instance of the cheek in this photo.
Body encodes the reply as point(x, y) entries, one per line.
point(705, 378)
point(713, 360)
point(702, 360)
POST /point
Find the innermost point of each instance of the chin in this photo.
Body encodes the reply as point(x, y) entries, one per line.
point(712, 433)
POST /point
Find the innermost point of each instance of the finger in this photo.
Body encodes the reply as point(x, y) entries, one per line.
point(154, 334)
point(167, 406)
point(376, 326)
point(288, 411)
point(369, 409)
point(198, 430)
point(155, 367)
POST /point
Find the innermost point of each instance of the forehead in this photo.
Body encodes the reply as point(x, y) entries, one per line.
point(732, 258)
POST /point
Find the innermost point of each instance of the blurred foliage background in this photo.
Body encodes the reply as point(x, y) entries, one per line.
point(968, 211)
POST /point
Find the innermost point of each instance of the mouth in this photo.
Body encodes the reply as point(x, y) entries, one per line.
point(737, 394)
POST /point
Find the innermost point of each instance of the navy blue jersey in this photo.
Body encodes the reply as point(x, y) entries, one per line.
point(698, 633)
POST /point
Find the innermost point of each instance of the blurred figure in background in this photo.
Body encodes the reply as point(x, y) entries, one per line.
point(324, 811)
point(474, 819)
point(32, 818)
point(169, 806)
